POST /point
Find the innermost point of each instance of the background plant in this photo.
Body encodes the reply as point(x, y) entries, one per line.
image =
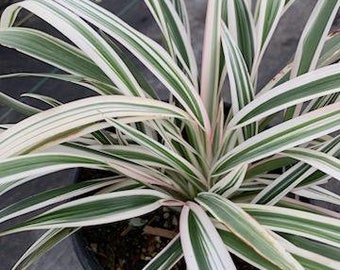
point(233, 177)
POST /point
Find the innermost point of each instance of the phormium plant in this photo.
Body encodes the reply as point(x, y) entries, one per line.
point(234, 177)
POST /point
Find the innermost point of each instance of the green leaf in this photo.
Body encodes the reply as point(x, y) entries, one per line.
point(301, 223)
point(152, 55)
point(241, 88)
point(202, 246)
point(241, 25)
point(95, 210)
point(293, 176)
point(247, 230)
point(48, 240)
point(322, 82)
point(281, 137)
point(51, 50)
point(168, 257)
point(76, 118)
point(210, 80)
point(313, 37)
point(47, 198)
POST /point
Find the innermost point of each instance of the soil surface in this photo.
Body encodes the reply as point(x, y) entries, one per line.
point(131, 244)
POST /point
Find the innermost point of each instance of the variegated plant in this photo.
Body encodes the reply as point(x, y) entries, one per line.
point(235, 178)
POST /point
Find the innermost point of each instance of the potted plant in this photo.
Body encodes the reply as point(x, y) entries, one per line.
point(233, 177)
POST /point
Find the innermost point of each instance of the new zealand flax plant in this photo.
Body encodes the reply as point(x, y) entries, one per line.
point(235, 177)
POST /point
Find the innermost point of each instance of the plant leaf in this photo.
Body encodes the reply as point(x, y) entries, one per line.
point(48, 240)
point(201, 243)
point(147, 51)
point(95, 210)
point(281, 137)
point(315, 84)
point(84, 37)
point(247, 230)
point(59, 124)
point(301, 223)
point(168, 257)
point(241, 88)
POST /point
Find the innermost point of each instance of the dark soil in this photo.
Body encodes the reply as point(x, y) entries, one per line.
point(131, 244)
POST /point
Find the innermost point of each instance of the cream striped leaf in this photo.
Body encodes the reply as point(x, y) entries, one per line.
point(176, 35)
point(41, 246)
point(293, 177)
point(241, 25)
point(241, 88)
point(296, 222)
point(16, 168)
point(47, 198)
point(267, 16)
point(311, 42)
point(247, 230)
point(321, 161)
point(147, 51)
point(63, 122)
point(95, 210)
point(313, 37)
point(281, 137)
point(51, 50)
point(319, 193)
point(84, 37)
point(315, 84)
point(210, 68)
point(171, 158)
point(168, 257)
point(202, 246)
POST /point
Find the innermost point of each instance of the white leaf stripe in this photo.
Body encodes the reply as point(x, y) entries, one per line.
point(241, 88)
point(296, 222)
point(152, 55)
point(63, 119)
point(85, 38)
point(242, 28)
point(51, 50)
point(170, 157)
point(95, 210)
point(247, 230)
point(209, 84)
point(41, 246)
point(176, 35)
point(47, 198)
point(281, 137)
point(292, 177)
point(16, 168)
point(321, 161)
point(315, 84)
point(318, 193)
point(168, 257)
point(313, 36)
point(202, 246)
point(244, 251)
